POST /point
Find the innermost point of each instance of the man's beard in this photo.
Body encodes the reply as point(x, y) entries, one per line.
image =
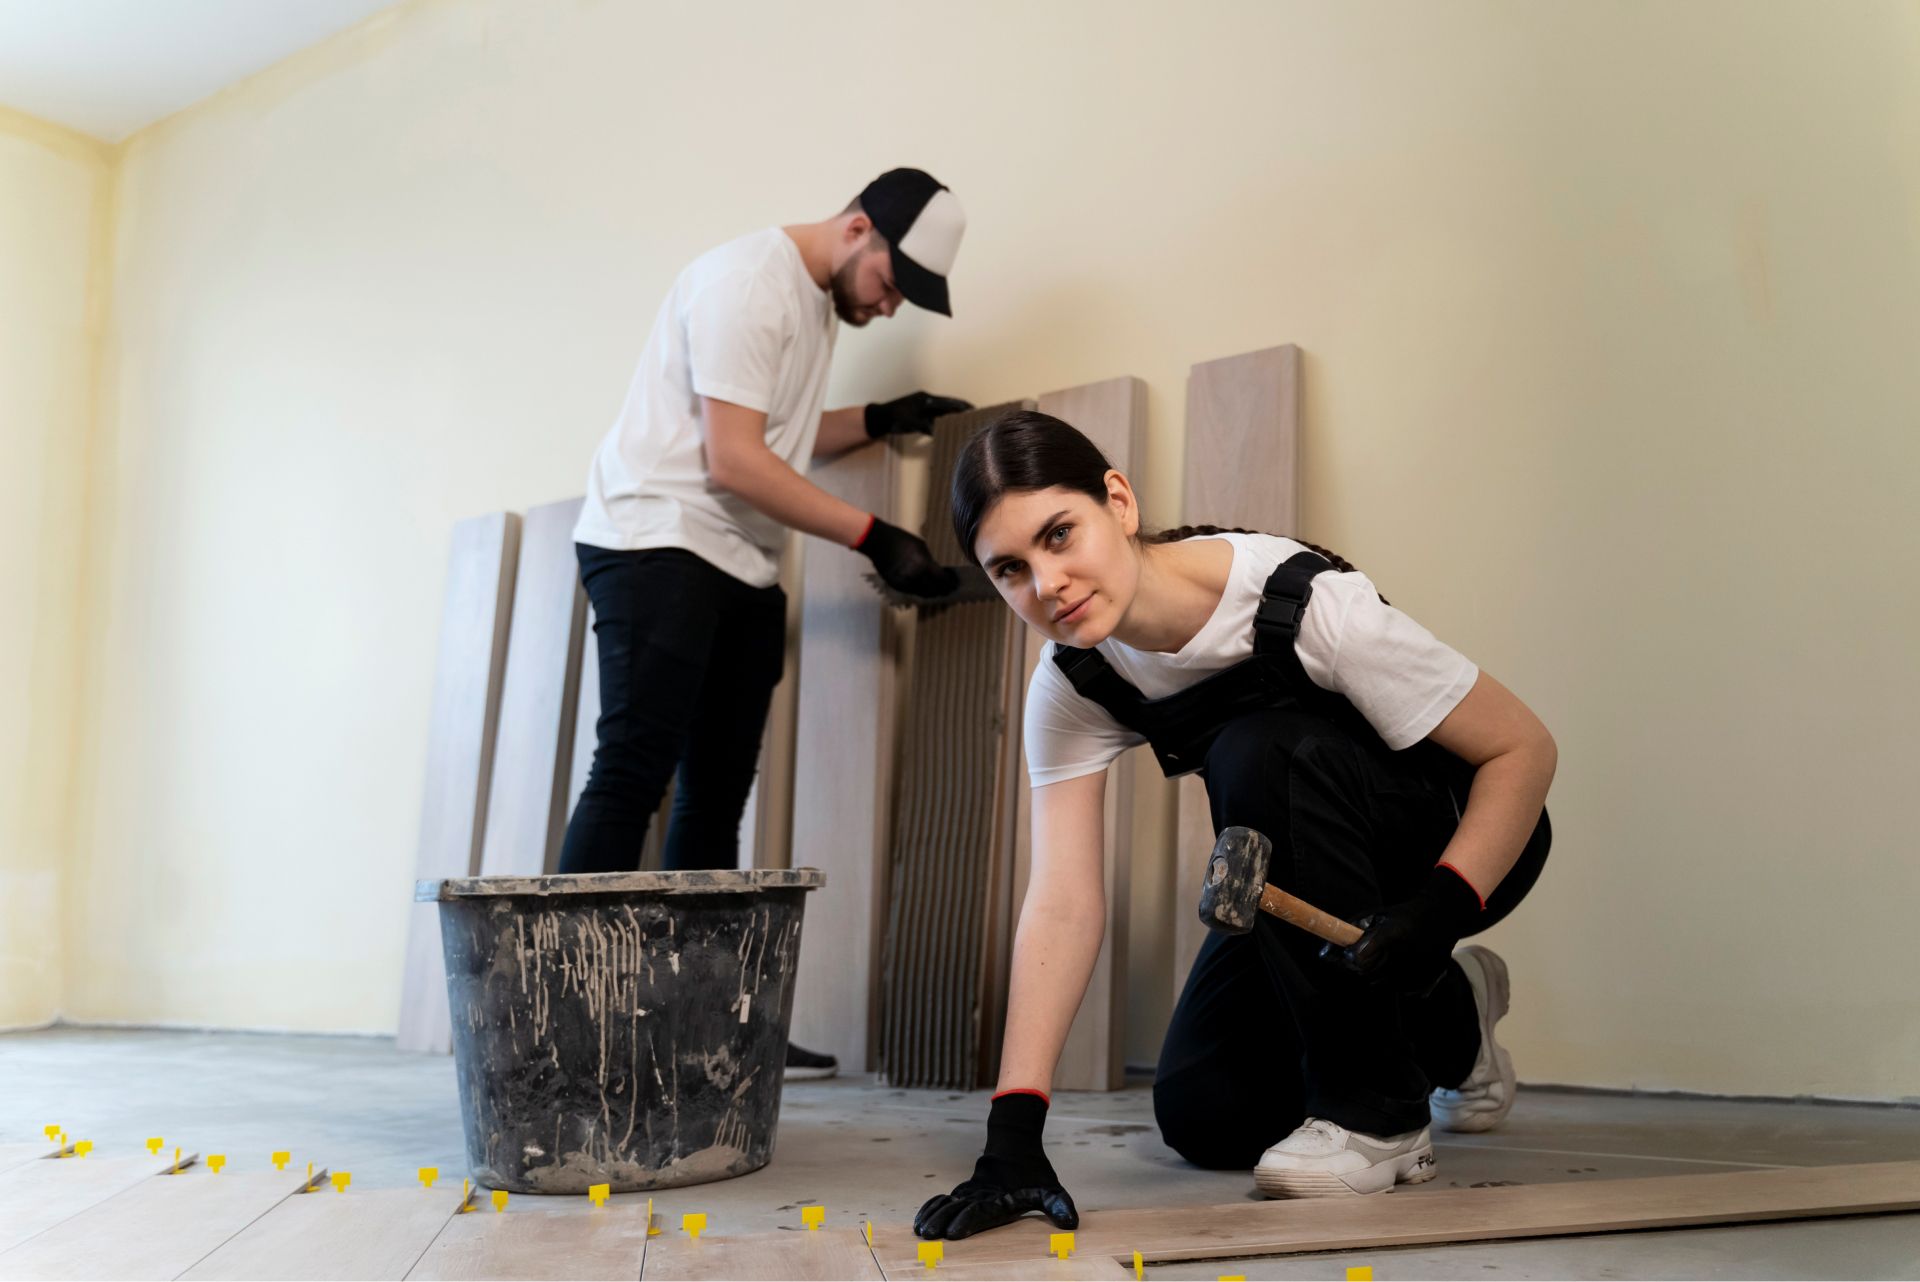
point(842, 287)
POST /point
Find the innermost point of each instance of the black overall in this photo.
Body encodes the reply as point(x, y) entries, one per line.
point(1267, 1034)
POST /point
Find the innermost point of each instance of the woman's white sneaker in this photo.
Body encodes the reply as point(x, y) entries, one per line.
point(1321, 1159)
point(1479, 1103)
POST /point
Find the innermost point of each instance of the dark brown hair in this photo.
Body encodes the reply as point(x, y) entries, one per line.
point(1025, 450)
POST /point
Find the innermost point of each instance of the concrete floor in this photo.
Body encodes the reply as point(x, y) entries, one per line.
point(867, 1151)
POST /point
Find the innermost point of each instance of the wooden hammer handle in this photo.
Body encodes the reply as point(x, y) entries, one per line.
point(1300, 913)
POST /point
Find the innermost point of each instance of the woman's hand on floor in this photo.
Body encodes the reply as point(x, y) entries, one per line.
point(1011, 1178)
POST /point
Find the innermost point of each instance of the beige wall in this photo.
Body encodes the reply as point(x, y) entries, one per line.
point(1609, 314)
point(55, 193)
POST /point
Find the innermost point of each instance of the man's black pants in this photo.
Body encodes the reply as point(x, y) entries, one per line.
point(689, 657)
point(1267, 1034)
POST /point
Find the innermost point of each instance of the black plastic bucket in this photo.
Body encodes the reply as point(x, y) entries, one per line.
point(627, 1029)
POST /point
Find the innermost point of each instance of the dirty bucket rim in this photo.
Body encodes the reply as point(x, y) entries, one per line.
point(697, 882)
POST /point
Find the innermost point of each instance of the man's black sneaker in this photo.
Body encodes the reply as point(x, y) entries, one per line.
point(804, 1065)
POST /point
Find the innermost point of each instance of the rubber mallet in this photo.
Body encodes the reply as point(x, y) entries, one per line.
point(1237, 887)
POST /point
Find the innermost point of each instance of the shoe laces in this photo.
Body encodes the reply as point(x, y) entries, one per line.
point(1332, 1132)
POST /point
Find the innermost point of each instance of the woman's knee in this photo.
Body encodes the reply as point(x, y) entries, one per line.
point(1252, 765)
point(1254, 743)
point(1204, 1127)
point(1242, 746)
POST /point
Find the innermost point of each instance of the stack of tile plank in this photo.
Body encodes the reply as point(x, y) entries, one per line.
point(930, 760)
point(951, 858)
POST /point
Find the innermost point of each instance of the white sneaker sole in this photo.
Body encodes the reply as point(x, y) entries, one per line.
point(1473, 1116)
point(1415, 1167)
point(810, 1074)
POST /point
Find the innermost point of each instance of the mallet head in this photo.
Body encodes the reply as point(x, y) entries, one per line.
point(1236, 874)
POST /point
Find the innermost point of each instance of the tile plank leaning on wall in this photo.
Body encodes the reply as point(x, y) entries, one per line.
point(533, 749)
point(843, 768)
point(1113, 415)
point(460, 739)
point(1243, 464)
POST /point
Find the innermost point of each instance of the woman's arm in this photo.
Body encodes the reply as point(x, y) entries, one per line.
point(1062, 921)
point(1493, 730)
point(1405, 945)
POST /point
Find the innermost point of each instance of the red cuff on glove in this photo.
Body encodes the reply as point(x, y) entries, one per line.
point(1463, 877)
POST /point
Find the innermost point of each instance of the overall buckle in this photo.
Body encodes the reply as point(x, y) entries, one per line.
point(1279, 614)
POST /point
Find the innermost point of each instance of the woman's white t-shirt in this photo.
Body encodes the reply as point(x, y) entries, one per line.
point(1398, 676)
point(744, 323)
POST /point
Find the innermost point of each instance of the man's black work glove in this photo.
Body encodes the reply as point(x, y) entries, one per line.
point(905, 561)
point(1405, 946)
point(913, 412)
point(1011, 1178)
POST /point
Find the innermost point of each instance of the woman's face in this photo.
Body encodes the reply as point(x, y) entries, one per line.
point(1064, 561)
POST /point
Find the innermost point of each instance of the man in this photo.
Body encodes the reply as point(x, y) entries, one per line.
point(691, 496)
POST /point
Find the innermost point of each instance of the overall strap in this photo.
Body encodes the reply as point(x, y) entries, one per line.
point(1094, 679)
point(1181, 726)
point(1283, 603)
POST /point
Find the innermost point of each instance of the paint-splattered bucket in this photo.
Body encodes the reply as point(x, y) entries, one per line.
point(620, 1028)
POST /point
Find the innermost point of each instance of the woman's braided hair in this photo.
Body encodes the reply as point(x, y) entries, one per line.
point(1027, 450)
point(1180, 532)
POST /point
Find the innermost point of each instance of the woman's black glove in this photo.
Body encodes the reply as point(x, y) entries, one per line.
point(1011, 1178)
point(905, 561)
point(1405, 946)
point(913, 412)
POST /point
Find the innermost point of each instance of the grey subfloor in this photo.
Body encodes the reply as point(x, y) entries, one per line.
point(870, 1152)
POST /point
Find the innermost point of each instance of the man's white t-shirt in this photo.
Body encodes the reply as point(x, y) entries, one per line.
point(1399, 677)
point(744, 323)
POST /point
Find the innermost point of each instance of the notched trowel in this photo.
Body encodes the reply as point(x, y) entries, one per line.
point(974, 586)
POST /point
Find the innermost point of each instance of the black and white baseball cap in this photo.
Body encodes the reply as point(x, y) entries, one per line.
point(922, 223)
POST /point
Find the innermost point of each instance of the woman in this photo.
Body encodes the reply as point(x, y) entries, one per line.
point(1403, 790)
